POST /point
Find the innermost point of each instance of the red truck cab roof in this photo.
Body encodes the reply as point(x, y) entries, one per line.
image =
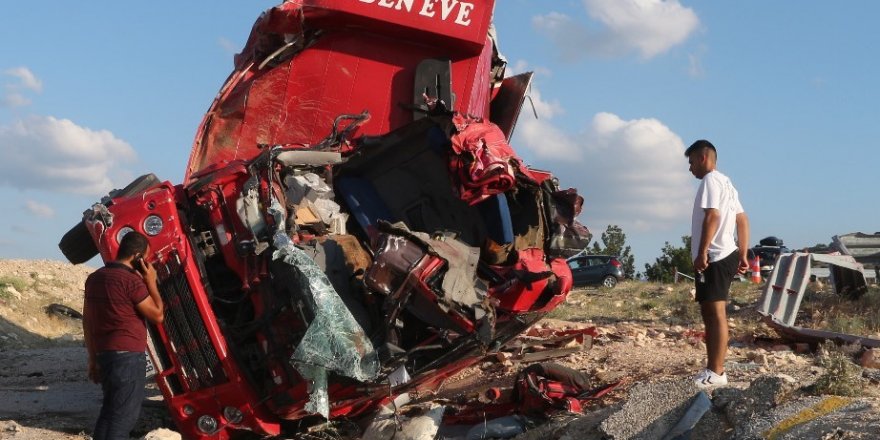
point(363, 55)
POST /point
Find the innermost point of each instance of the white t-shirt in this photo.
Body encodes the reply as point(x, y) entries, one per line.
point(716, 191)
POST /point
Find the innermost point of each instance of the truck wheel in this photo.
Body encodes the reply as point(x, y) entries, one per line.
point(137, 185)
point(63, 311)
point(77, 245)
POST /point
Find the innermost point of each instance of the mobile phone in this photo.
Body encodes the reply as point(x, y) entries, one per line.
point(139, 263)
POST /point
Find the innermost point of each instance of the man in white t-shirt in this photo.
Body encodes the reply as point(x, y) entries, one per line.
point(717, 255)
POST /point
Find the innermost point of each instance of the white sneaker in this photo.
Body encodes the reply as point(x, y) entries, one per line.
point(709, 379)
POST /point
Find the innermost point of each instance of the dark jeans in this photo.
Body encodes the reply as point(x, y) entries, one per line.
point(122, 380)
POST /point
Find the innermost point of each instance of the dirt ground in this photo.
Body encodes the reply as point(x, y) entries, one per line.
point(44, 394)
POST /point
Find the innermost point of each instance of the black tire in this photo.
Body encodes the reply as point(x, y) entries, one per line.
point(610, 281)
point(77, 245)
point(63, 311)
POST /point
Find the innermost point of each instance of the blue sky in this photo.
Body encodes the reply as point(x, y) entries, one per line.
point(93, 94)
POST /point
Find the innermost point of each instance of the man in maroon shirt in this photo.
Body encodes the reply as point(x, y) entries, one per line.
point(117, 299)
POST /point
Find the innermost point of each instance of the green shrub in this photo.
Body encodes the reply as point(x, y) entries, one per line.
point(16, 283)
point(842, 377)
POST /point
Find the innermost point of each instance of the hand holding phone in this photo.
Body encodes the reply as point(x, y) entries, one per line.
point(145, 268)
point(139, 263)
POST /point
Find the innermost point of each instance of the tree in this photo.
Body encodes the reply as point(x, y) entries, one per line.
point(614, 241)
point(672, 259)
point(820, 248)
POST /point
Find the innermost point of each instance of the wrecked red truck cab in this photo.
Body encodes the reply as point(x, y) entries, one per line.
point(353, 223)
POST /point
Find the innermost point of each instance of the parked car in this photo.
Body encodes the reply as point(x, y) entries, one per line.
point(595, 270)
point(768, 250)
point(352, 224)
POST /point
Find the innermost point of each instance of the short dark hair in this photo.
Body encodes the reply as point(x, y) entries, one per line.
point(132, 243)
point(700, 146)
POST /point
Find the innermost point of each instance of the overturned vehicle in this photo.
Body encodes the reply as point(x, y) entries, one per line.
point(352, 225)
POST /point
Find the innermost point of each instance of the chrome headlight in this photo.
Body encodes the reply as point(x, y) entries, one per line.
point(207, 424)
point(233, 415)
point(121, 233)
point(153, 225)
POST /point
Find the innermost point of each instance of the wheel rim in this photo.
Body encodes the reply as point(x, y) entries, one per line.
point(609, 282)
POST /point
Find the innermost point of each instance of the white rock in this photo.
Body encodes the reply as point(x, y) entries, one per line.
point(870, 358)
point(11, 426)
point(12, 291)
point(161, 434)
point(786, 378)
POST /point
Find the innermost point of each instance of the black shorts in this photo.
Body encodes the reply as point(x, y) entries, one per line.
point(718, 277)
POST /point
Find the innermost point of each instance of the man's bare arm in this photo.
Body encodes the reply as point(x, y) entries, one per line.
point(711, 223)
point(742, 238)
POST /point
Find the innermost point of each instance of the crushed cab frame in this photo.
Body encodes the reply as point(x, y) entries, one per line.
point(353, 223)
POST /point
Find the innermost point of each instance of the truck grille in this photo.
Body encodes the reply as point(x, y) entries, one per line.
point(200, 365)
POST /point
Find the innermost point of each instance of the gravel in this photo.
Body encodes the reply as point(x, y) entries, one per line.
point(651, 410)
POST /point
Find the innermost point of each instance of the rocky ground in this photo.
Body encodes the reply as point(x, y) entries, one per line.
point(649, 337)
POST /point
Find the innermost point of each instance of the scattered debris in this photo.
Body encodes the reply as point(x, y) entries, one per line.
point(63, 311)
point(812, 336)
point(865, 248)
point(784, 290)
point(540, 344)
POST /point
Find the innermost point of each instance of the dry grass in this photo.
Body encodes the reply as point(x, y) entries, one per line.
point(827, 311)
point(670, 304)
point(17, 283)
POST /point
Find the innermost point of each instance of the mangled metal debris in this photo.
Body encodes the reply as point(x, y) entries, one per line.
point(784, 290)
point(538, 393)
point(541, 344)
point(865, 248)
point(814, 337)
point(353, 223)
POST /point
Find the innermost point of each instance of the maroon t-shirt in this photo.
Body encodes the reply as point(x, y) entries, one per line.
point(112, 293)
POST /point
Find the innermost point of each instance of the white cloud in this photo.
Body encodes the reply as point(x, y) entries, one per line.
point(521, 66)
point(43, 152)
point(227, 46)
point(649, 27)
point(26, 78)
point(632, 173)
point(14, 99)
point(544, 139)
point(695, 62)
point(39, 209)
